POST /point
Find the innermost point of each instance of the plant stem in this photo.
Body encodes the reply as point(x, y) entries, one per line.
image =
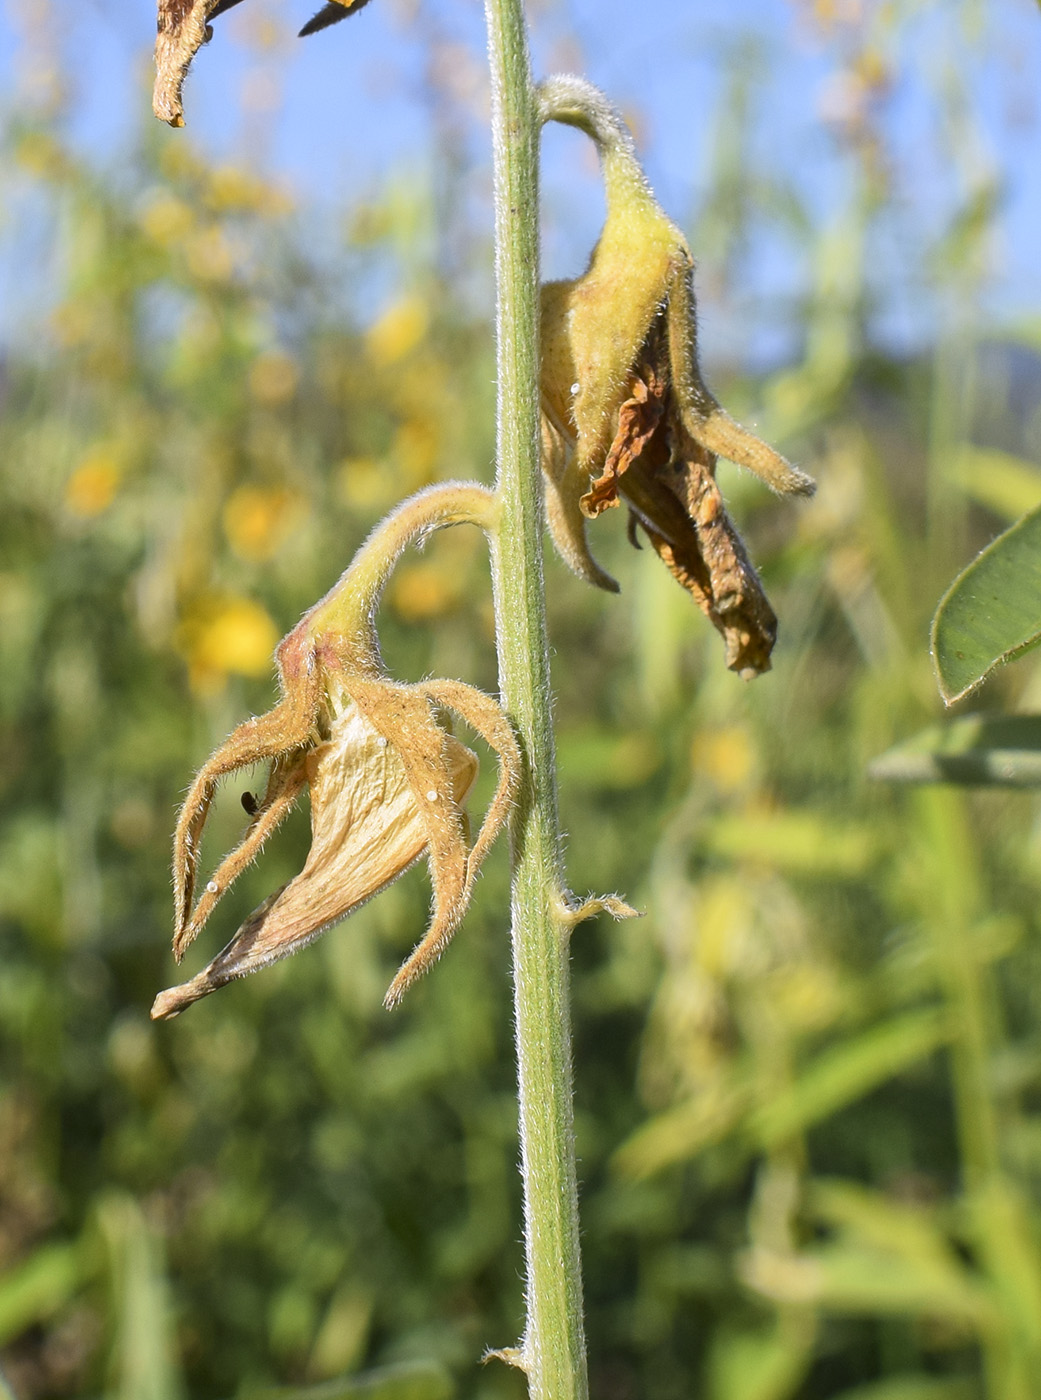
point(553, 1348)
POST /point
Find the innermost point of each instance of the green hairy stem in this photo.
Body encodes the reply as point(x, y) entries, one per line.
point(552, 1351)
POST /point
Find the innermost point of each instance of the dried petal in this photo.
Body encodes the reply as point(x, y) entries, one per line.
point(696, 541)
point(285, 728)
point(366, 830)
point(487, 719)
point(565, 487)
point(638, 421)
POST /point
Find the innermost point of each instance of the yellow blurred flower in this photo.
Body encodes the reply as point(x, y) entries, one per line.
point(273, 378)
point(398, 331)
point(806, 995)
point(231, 188)
point(91, 488)
point(166, 220)
point(209, 255)
point(416, 447)
point(257, 519)
point(423, 591)
point(364, 482)
point(39, 154)
point(224, 635)
point(725, 756)
point(71, 323)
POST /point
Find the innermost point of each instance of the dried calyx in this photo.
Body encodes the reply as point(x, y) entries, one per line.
point(387, 781)
point(626, 414)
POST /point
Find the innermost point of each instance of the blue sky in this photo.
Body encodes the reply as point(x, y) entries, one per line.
point(331, 115)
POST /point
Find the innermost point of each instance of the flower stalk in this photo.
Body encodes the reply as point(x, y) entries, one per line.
point(552, 1351)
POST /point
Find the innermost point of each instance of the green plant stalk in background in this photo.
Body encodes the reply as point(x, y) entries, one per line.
point(553, 1348)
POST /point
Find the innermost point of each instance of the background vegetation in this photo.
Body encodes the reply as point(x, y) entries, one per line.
point(808, 1082)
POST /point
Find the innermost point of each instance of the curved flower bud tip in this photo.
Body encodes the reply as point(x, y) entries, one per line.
point(182, 29)
point(387, 782)
point(626, 414)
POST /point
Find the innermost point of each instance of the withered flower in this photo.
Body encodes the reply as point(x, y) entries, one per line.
point(183, 27)
point(626, 414)
point(387, 781)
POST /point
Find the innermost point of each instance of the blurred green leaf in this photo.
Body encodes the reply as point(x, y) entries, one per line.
point(35, 1290)
point(972, 750)
point(592, 759)
point(795, 841)
point(1006, 484)
point(144, 1359)
point(418, 1380)
point(1006, 1238)
point(913, 1388)
point(682, 1132)
point(767, 1364)
point(992, 611)
point(846, 1278)
point(871, 1218)
point(848, 1071)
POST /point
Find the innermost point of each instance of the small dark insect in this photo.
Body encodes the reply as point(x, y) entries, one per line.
point(249, 800)
point(329, 14)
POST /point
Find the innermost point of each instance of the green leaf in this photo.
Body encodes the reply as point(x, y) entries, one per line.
point(991, 612)
point(35, 1290)
point(974, 750)
point(847, 1072)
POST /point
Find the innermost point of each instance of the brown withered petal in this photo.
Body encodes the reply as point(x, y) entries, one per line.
point(367, 828)
point(697, 542)
point(485, 717)
point(638, 420)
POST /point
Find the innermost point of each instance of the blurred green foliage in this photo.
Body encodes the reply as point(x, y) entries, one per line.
point(808, 1082)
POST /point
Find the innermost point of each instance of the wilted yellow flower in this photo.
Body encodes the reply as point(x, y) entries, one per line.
point(387, 781)
point(626, 413)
